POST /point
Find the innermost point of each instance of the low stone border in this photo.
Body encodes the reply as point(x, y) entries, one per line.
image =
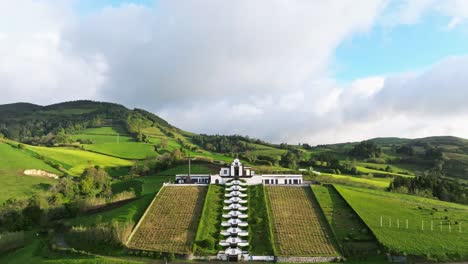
point(308, 259)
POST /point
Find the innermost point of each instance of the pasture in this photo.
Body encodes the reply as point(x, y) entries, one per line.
point(14, 183)
point(194, 169)
point(75, 161)
point(125, 150)
point(436, 230)
point(297, 224)
point(372, 182)
point(170, 222)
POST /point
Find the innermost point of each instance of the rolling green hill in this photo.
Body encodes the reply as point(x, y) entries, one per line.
point(74, 135)
point(140, 151)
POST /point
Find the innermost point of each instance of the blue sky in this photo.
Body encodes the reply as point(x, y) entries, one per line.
point(387, 50)
point(89, 6)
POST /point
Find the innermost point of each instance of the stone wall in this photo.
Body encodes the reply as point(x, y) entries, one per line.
point(308, 259)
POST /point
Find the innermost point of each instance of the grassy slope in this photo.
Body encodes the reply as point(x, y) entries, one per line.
point(145, 187)
point(437, 244)
point(75, 161)
point(371, 182)
point(183, 169)
point(14, 183)
point(209, 228)
point(352, 234)
point(28, 255)
point(260, 237)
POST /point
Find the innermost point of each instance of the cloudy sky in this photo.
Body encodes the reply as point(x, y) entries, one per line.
point(280, 70)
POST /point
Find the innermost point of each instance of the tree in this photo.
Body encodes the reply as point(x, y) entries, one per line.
point(407, 150)
point(366, 149)
point(95, 182)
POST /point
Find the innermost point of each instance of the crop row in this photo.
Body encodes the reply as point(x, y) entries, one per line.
point(298, 229)
point(171, 221)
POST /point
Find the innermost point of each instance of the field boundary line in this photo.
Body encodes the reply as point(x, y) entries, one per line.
point(144, 215)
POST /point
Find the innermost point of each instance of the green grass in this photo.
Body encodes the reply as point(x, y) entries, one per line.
point(75, 160)
point(126, 150)
point(14, 183)
point(146, 188)
point(367, 170)
point(372, 182)
point(353, 236)
point(259, 225)
point(194, 169)
point(29, 254)
point(141, 185)
point(101, 139)
point(209, 227)
point(439, 243)
point(104, 131)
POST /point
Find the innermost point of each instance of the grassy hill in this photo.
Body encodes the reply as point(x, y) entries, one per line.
point(75, 135)
point(14, 183)
point(140, 151)
point(434, 227)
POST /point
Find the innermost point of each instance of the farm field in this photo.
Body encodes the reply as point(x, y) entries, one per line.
point(14, 183)
point(208, 233)
point(195, 169)
point(297, 225)
point(125, 150)
point(171, 221)
point(75, 161)
point(446, 240)
point(354, 237)
point(343, 179)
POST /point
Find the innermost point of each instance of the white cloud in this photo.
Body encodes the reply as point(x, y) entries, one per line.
point(412, 11)
point(34, 66)
point(258, 68)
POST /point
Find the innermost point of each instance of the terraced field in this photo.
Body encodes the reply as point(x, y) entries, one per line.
point(298, 228)
point(436, 230)
point(170, 223)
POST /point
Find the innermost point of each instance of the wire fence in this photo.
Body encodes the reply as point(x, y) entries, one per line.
point(442, 225)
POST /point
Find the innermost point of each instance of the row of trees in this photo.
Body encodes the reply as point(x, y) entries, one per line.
point(433, 185)
point(226, 144)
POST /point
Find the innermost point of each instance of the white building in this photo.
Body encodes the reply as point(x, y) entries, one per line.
point(238, 171)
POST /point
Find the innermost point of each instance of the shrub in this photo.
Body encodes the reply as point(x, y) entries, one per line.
point(10, 241)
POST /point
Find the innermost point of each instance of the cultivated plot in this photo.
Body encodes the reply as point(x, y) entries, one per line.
point(298, 228)
point(171, 221)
